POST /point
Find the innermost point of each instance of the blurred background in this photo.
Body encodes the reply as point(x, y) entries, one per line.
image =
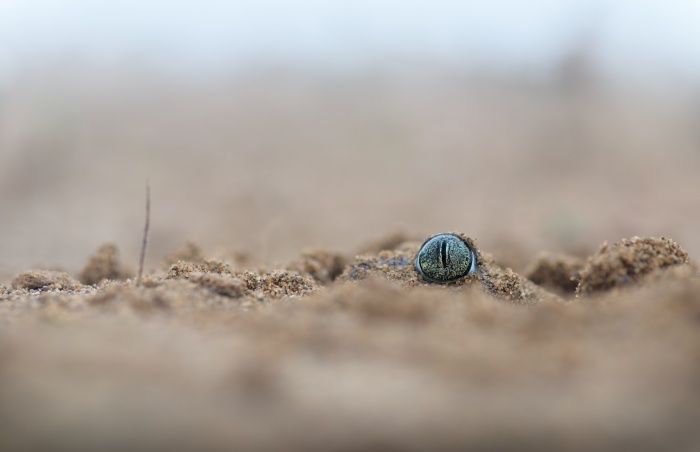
point(270, 126)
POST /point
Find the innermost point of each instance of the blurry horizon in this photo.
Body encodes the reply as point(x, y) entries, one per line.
point(269, 127)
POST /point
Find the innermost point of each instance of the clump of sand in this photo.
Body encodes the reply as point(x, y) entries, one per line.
point(104, 265)
point(183, 269)
point(504, 283)
point(279, 283)
point(179, 298)
point(222, 279)
point(183, 293)
point(393, 265)
point(558, 273)
point(323, 266)
point(226, 285)
point(627, 262)
point(44, 280)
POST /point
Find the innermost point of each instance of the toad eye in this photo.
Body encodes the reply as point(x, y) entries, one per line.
point(444, 258)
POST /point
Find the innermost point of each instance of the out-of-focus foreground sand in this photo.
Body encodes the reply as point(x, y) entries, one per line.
point(225, 352)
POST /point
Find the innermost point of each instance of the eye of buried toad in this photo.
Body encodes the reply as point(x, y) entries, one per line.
point(444, 258)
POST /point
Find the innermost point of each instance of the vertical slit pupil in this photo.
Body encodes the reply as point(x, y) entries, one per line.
point(443, 253)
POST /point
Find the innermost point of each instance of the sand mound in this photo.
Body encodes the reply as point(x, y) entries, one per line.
point(105, 264)
point(322, 265)
point(222, 279)
point(44, 280)
point(557, 273)
point(628, 261)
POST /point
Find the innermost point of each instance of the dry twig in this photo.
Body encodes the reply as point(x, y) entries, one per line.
point(144, 243)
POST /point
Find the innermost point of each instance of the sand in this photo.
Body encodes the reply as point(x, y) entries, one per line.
point(338, 351)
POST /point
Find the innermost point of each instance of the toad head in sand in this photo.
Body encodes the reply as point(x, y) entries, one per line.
point(446, 257)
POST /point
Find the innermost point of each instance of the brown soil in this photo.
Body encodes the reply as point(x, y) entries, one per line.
point(356, 354)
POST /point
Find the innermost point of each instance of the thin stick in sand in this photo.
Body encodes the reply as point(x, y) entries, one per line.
point(144, 242)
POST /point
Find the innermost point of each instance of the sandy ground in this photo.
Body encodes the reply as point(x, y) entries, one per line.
point(341, 353)
point(297, 322)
